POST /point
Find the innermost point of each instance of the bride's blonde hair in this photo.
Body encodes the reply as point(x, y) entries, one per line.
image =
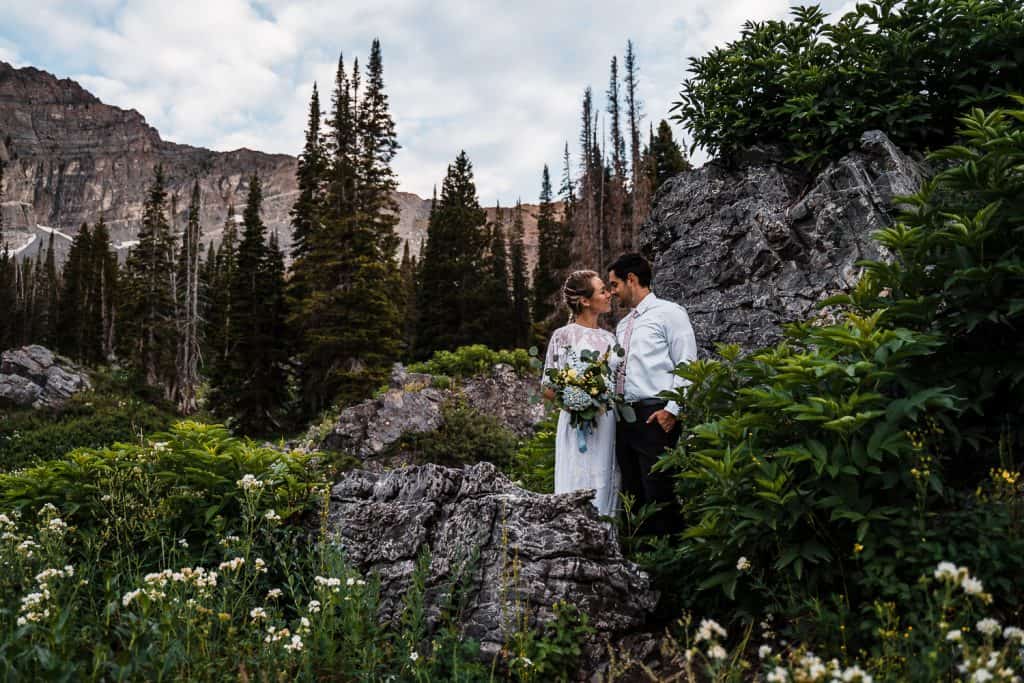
point(579, 285)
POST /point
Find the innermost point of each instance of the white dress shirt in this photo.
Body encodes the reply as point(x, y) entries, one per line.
point(662, 338)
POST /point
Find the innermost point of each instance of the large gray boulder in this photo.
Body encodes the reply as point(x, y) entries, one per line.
point(412, 404)
point(34, 376)
point(512, 552)
point(746, 250)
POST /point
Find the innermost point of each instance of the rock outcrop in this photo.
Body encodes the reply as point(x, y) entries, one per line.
point(747, 250)
point(70, 159)
point(34, 376)
point(412, 404)
point(512, 553)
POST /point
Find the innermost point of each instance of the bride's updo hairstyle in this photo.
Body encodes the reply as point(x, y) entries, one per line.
point(579, 285)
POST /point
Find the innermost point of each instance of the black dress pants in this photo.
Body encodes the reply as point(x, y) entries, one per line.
point(638, 446)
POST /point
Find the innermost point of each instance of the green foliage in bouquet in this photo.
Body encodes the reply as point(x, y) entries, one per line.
point(584, 387)
point(821, 477)
point(474, 360)
point(907, 68)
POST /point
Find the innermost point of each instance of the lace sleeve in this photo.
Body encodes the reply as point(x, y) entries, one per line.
point(553, 357)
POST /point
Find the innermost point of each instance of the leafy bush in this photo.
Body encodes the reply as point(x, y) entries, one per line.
point(905, 67)
point(469, 361)
point(466, 436)
point(110, 413)
point(823, 476)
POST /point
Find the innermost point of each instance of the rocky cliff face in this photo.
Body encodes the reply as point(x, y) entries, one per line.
point(750, 249)
point(71, 158)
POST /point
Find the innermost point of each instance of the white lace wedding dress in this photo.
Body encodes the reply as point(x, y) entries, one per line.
point(596, 468)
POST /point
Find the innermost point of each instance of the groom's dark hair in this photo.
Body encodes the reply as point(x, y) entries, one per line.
point(632, 263)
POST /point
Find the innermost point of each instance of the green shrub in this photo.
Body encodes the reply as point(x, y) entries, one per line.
point(844, 462)
point(534, 462)
point(465, 437)
point(906, 68)
point(94, 419)
point(470, 361)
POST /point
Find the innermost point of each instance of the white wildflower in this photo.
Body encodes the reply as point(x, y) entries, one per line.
point(989, 627)
point(261, 566)
point(249, 483)
point(183, 543)
point(954, 636)
point(273, 594)
point(946, 571)
point(981, 676)
point(709, 630)
point(231, 565)
point(314, 606)
point(777, 675)
point(764, 651)
point(743, 564)
point(972, 586)
point(258, 613)
point(350, 581)
point(296, 643)
point(128, 597)
point(1013, 634)
point(716, 651)
point(413, 656)
point(272, 516)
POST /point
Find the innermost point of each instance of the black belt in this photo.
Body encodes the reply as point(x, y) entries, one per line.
point(648, 403)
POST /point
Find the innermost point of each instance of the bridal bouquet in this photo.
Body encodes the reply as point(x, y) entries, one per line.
point(584, 388)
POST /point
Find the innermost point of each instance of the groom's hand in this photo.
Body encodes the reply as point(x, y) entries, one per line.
point(665, 419)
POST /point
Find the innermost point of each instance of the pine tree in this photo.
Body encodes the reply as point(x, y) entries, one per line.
point(309, 175)
point(186, 376)
point(76, 297)
point(520, 283)
point(44, 320)
point(104, 276)
point(546, 274)
point(350, 321)
point(451, 258)
point(8, 299)
point(488, 291)
point(148, 322)
point(640, 199)
point(252, 386)
point(408, 269)
point(667, 157)
point(619, 238)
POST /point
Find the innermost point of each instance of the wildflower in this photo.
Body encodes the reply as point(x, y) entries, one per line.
point(1012, 633)
point(743, 564)
point(261, 566)
point(273, 594)
point(313, 606)
point(160, 446)
point(296, 643)
point(57, 526)
point(182, 542)
point(764, 651)
point(258, 613)
point(777, 675)
point(350, 581)
point(228, 541)
point(857, 548)
point(947, 571)
point(331, 583)
point(855, 673)
point(972, 586)
point(128, 597)
point(232, 565)
point(709, 630)
point(526, 661)
point(413, 656)
point(954, 636)
point(989, 627)
point(272, 516)
point(716, 651)
point(304, 624)
point(249, 483)
point(981, 675)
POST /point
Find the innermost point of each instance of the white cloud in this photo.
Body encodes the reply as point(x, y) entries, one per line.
point(501, 80)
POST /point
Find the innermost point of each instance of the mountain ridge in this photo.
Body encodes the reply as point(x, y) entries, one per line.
point(71, 158)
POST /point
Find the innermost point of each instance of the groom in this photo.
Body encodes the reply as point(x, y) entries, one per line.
point(656, 336)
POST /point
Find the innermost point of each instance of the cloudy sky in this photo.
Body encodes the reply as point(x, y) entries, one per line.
point(502, 80)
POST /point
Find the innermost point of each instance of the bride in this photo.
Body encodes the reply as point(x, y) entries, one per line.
point(587, 297)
